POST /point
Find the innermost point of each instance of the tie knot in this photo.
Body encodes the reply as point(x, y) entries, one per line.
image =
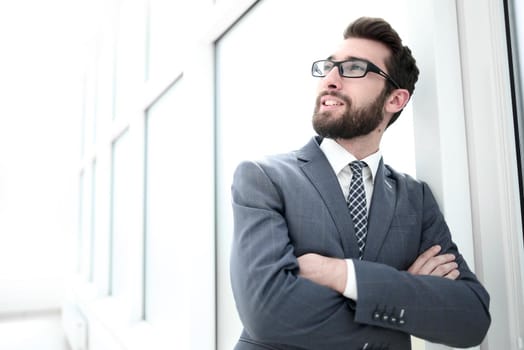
point(357, 165)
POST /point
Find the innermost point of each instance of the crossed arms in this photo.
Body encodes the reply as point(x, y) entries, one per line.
point(282, 299)
point(332, 272)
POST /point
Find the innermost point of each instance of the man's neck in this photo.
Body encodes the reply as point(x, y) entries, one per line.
point(361, 146)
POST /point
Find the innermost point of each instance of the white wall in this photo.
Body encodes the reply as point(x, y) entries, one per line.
point(493, 170)
point(39, 128)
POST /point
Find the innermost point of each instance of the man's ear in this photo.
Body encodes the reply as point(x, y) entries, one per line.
point(397, 100)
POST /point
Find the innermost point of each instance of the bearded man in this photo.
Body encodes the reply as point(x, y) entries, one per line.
point(333, 249)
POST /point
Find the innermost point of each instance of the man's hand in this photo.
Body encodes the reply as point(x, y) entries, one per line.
point(332, 272)
point(430, 263)
point(329, 272)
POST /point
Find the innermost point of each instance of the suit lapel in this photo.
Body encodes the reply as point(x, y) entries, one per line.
point(316, 167)
point(381, 212)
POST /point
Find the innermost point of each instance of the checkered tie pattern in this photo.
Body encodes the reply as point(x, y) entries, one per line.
point(357, 204)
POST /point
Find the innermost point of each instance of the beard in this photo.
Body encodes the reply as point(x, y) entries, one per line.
point(353, 122)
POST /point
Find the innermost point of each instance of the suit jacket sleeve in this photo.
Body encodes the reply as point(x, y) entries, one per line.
point(275, 305)
point(453, 312)
point(278, 307)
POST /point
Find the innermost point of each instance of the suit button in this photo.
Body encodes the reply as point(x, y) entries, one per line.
point(393, 319)
point(401, 320)
point(385, 318)
point(376, 315)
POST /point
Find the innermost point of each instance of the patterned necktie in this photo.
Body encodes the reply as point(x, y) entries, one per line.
point(357, 204)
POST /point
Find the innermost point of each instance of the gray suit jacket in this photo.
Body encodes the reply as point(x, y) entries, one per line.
point(288, 205)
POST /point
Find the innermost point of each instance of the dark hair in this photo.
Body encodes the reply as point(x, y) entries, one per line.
point(401, 64)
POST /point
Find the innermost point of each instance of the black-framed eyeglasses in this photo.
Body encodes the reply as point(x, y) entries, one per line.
point(351, 68)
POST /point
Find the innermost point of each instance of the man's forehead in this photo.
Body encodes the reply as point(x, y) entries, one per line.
point(370, 50)
point(346, 58)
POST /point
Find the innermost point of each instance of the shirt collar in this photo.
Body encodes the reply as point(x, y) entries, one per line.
point(338, 157)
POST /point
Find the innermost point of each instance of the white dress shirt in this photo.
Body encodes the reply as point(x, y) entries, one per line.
point(339, 159)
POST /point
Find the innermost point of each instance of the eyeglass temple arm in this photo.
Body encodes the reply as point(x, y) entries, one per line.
point(385, 75)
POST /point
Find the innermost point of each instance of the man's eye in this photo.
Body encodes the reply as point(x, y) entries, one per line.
point(355, 67)
point(328, 66)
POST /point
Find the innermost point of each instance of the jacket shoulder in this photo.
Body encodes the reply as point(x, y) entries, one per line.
point(401, 177)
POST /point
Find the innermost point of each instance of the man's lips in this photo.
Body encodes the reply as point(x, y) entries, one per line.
point(329, 101)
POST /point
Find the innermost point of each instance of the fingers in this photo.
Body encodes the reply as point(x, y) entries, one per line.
point(430, 263)
point(453, 275)
point(439, 265)
point(423, 259)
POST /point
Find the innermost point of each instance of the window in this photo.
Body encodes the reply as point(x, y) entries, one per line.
point(89, 114)
point(105, 67)
point(170, 214)
point(101, 227)
point(92, 219)
point(263, 111)
point(514, 13)
point(168, 26)
point(81, 220)
point(126, 253)
point(130, 59)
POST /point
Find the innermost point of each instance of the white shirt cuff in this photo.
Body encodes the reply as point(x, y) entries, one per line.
point(351, 283)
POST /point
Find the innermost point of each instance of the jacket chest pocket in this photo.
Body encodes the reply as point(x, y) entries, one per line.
point(402, 243)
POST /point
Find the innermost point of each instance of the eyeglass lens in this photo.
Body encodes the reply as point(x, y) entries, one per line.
point(350, 68)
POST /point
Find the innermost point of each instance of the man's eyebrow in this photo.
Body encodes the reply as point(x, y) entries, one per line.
point(347, 58)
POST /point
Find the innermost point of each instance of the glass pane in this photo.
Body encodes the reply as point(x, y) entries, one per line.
point(166, 37)
point(85, 223)
point(172, 29)
point(171, 215)
point(261, 112)
point(516, 9)
point(92, 220)
point(398, 143)
point(130, 58)
point(81, 214)
point(89, 113)
point(101, 227)
point(518, 41)
point(105, 75)
point(122, 257)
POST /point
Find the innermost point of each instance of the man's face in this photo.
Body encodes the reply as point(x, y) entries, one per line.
point(350, 107)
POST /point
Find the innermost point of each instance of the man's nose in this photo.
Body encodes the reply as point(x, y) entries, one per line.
point(332, 80)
